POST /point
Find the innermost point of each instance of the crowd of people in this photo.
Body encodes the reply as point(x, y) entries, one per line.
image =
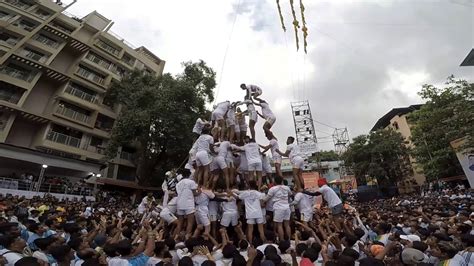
point(226, 208)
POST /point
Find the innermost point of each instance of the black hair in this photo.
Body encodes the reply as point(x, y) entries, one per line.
point(351, 239)
point(385, 227)
point(243, 244)
point(305, 235)
point(110, 250)
point(185, 261)
point(228, 251)
point(344, 260)
point(85, 254)
point(59, 253)
point(75, 243)
point(311, 254)
point(238, 260)
point(301, 248)
point(27, 261)
point(292, 139)
point(283, 246)
point(171, 243)
point(124, 247)
point(278, 180)
point(208, 263)
point(270, 235)
point(421, 246)
point(316, 246)
point(359, 233)
point(350, 253)
point(270, 249)
point(43, 243)
point(7, 240)
point(91, 262)
point(253, 184)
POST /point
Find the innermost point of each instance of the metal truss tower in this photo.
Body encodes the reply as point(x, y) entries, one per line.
point(341, 140)
point(304, 128)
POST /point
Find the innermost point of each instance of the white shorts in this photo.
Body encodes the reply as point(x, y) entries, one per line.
point(306, 216)
point(213, 165)
point(185, 211)
point(298, 163)
point(270, 120)
point(230, 121)
point(202, 158)
point(202, 218)
point(217, 116)
point(267, 168)
point(230, 218)
point(253, 116)
point(167, 216)
point(281, 215)
point(243, 166)
point(237, 129)
point(276, 158)
point(255, 167)
point(220, 162)
point(255, 221)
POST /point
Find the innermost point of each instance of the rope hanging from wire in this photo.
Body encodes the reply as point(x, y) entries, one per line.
point(296, 24)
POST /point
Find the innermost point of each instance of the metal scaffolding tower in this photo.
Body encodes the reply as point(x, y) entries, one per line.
point(341, 140)
point(304, 128)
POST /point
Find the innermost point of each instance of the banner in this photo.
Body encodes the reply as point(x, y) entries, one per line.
point(310, 179)
point(466, 159)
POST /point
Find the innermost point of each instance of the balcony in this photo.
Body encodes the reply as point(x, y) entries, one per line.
point(126, 156)
point(19, 4)
point(45, 40)
point(90, 76)
point(81, 117)
point(63, 139)
point(5, 16)
point(17, 73)
point(24, 25)
point(81, 94)
point(10, 95)
point(34, 55)
point(98, 60)
point(42, 14)
point(108, 48)
point(62, 28)
point(10, 42)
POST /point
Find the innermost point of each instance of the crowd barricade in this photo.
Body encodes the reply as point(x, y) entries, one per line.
point(31, 194)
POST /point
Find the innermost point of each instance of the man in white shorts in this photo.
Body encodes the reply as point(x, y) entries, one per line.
point(280, 195)
point(222, 159)
point(253, 210)
point(202, 209)
point(186, 190)
point(305, 204)
point(253, 117)
point(266, 168)
point(293, 152)
point(204, 145)
point(273, 147)
point(230, 213)
point(218, 116)
point(267, 114)
point(254, 160)
point(252, 90)
point(241, 129)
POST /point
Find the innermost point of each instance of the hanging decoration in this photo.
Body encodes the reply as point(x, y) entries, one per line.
point(296, 23)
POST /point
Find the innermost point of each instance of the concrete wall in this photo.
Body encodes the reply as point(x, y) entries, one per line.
point(22, 133)
point(40, 96)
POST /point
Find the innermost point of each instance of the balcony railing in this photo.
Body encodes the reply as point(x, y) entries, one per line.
point(108, 48)
point(73, 114)
point(81, 94)
point(99, 61)
point(19, 4)
point(9, 42)
point(61, 27)
point(9, 96)
point(5, 17)
point(63, 139)
point(16, 73)
point(46, 41)
point(126, 156)
point(34, 56)
point(90, 76)
point(23, 26)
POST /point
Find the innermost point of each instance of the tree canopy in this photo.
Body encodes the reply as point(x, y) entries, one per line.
point(157, 116)
point(383, 154)
point(447, 115)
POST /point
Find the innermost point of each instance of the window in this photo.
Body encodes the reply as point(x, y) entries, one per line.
point(395, 125)
point(128, 60)
point(297, 112)
point(304, 122)
point(25, 24)
point(32, 54)
point(46, 40)
point(17, 72)
point(95, 141)
point(90, 75)
point(10, 93)
point(4, 15)
point(8, 39)
point(81, 92)
point(42, 13)
point(99, 60)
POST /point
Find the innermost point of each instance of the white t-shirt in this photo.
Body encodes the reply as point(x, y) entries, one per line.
point(252, 152)
point(222, 107)
point(11, 257)
point(251, 198)
point(185, 188)
point(224, 149)
point(203, 142)
point(304, 202)
point(266, 112)
point(152, 261)
point(280, 194)
point(229, 206)
point(198, 126)
point(294, 150)
point(273, 147)
point(330, 196)
point(262, 248)
point(202, 201)
point(253, 88)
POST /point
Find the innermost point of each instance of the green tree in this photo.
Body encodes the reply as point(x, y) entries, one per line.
point(325, 156)
point(447, 115)
point(157, 116)
point(383, 154)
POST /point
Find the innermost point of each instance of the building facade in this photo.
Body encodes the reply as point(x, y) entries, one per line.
point(54, 75)
point(396, 119)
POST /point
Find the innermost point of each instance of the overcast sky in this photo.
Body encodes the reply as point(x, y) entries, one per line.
point(364, 58)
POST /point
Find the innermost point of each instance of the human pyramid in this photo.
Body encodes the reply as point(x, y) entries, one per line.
point(226, 167)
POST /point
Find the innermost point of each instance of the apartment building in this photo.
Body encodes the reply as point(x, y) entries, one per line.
point(55, 70)
point(397, 120)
